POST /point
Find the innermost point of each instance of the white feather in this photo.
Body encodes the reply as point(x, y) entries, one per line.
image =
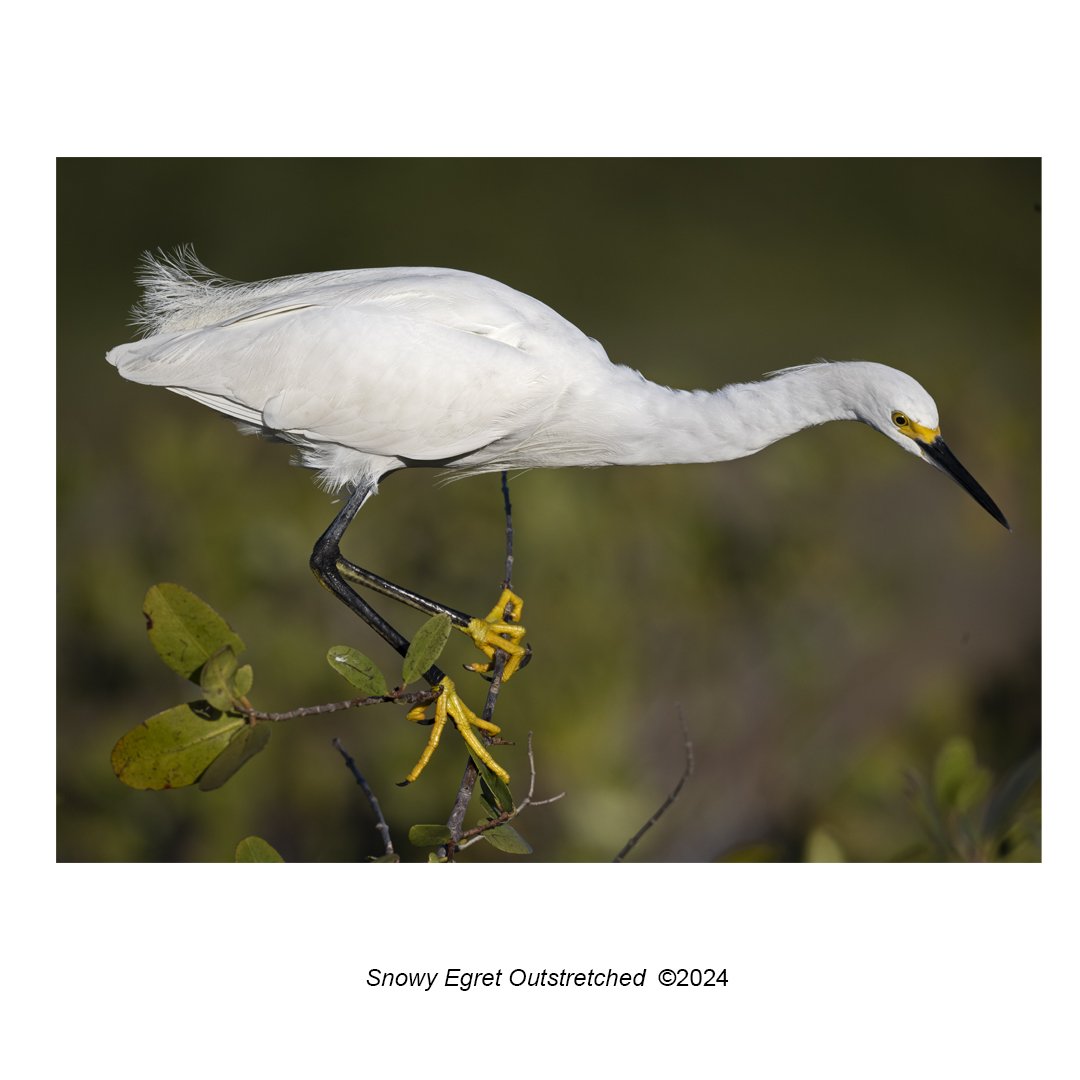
point(368, 371)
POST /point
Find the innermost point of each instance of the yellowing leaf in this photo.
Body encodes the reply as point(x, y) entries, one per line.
point(243, 679)
point(184, 630)
point(216, 678)
point(173, 748)
point(256, 849)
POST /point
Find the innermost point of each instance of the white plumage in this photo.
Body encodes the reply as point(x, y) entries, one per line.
point(369, 371)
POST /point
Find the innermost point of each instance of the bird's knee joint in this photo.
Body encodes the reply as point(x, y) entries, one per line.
point(323, 559)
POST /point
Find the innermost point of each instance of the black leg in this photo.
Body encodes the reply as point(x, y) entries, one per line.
point(359, 576)
point(327, 564)
point(336, 572)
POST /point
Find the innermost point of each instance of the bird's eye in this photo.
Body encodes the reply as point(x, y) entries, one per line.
point(899, 419)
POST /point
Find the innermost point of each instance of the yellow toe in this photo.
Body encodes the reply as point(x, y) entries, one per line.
point(500, 630)
point(448, 705)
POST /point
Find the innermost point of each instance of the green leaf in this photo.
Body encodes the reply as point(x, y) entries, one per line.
point(358, 669)
point(242, 680)
point(427, 646)
point(216, 678)
point(954, 771)
point(243, 746)
point(822, 846)
point(173, 748)
point(429, 835)
point(507, 838)
point(184, 630)
point(256, 849)
point(392, 857)
point(496, 792)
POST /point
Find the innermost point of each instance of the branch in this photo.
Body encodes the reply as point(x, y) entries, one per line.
point(456, 820)
point(399, 696)
point(666, 804)
point(381, 825)
point(468, 838)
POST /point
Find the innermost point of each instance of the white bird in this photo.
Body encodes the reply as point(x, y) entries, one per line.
point(371, 371)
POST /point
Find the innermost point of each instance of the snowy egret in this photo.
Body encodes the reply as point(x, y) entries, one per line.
point(371, 371)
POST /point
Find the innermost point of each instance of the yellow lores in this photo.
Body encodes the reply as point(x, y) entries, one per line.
point(914, 430)
point(488, 634)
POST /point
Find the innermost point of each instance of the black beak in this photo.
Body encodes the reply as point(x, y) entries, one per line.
point(937, 453)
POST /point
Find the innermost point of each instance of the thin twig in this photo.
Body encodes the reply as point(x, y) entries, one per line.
point(399, 697)
point(456, 820)
point(472, 835)
point(509, 532)
point(380, 825)
point(666, 804)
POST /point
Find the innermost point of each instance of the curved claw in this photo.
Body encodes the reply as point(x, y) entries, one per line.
point(499, 631)
point(449, 706)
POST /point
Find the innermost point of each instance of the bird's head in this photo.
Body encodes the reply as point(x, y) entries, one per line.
point(895, 404)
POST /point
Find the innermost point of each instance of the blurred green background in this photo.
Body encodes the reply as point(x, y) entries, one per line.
point(825, 616)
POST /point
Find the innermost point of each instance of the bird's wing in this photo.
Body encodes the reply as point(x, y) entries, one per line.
point(365, 376)
point(182, 294)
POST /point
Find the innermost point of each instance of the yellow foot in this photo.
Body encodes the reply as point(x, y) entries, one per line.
point(499, 631)
point(448, 705)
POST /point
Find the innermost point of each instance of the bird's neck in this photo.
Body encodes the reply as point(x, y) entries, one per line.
point(639, 422)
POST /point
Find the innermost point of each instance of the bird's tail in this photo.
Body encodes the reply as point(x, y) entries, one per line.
point(174, 284)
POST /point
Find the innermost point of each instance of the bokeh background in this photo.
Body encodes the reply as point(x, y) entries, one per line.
point(825, 616)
